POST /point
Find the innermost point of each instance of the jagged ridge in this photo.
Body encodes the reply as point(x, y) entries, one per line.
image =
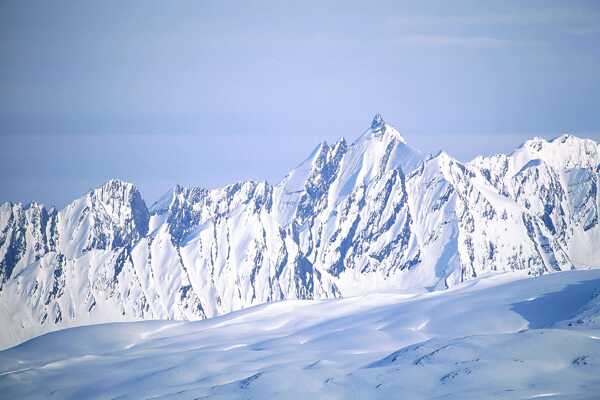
point(351, 218)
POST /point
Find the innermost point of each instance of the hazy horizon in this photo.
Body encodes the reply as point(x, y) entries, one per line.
point(208, 94)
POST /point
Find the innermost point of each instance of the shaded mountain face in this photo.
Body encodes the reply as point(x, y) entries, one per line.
point(371, 215)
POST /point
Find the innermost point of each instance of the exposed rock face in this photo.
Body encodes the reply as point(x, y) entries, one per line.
point(351, 218)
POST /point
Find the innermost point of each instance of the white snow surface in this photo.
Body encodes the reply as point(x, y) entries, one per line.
point(504, 336)
point(374, 215)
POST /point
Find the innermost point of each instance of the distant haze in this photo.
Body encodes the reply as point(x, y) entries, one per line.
point(209, 93)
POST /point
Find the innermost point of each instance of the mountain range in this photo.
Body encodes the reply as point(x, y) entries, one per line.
point(372, 215)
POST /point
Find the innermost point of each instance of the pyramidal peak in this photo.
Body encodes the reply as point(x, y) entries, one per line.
point(378, 124)
point(379, 128)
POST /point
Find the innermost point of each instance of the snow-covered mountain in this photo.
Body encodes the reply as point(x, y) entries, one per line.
point(351, 218)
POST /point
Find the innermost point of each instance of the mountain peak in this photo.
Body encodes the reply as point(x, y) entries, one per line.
point(116, 186)
point(117, 191)
point(378, 123)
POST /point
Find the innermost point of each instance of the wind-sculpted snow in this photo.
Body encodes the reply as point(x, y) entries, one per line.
point(351, 219)
point(505, 336)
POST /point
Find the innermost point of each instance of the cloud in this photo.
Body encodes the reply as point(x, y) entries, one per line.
point(583, 31)
point(481, 42)
point(491, 30)
point(570, 17)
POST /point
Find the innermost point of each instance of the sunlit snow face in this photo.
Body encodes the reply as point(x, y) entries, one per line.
point(479, 339)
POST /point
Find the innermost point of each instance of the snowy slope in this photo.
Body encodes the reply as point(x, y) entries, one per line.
point(504, 336)
point(352, 218)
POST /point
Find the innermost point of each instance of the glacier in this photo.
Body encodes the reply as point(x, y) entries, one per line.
point(353, 218)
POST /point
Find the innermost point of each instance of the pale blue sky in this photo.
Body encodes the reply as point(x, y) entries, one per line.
point(208, 93)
